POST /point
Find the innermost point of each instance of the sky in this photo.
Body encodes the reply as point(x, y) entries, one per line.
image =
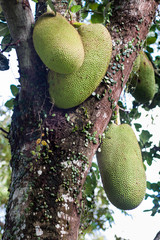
point(140, 225)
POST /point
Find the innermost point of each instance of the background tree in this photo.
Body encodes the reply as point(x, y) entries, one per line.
point(52, 149)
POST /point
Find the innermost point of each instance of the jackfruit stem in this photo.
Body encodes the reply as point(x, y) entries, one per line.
point(69, 13)
point(77, 24)
point(49, 9)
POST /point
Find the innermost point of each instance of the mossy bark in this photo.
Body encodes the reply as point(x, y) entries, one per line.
point(52, 149)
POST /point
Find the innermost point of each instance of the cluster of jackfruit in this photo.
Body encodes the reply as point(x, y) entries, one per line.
point(121, 167)
point(77, 60)
point(142, 79)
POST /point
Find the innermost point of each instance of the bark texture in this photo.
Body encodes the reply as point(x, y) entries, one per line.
point(52, 149)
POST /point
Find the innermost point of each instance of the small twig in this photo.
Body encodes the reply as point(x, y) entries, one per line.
point(124, 110)
point(156, 148)
point(1, 224)
point(91, 11)
point(9, 44)
point(4, 131)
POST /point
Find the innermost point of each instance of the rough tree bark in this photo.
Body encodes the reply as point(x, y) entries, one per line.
point(52, 149)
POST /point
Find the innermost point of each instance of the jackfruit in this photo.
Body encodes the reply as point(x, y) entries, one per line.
point(68, 91)
point(58, 43)
point(136, 66)
point(121, 167)
point(142, 83)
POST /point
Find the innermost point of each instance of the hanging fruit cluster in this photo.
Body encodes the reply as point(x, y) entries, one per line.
point(77, 59)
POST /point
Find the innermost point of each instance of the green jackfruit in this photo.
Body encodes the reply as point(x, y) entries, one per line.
point(136, 66)
point(121, 167)
point(58, 43)
point(68, 91)
point(142, 83)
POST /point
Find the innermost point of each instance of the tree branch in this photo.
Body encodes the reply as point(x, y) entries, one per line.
point(20, 21)
point(4, 131)
point(1, 225)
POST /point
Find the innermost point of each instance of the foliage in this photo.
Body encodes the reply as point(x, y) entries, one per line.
point(155, 187)
point(119, 238)
point(6, 41)
point(5, 156)
point(97, 211)
point(12, 102)
point(100, 11)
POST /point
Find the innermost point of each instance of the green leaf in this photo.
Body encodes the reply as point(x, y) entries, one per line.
point(14, 90)
point(93, 6)
point(3, 63)
point(33, 153)
point(134, 113)
point(149, 185)
point(148, 157)
point(75, 8)
point(94, 180)
point(5, 42)
point(151, 40)
point(36, 1)
point(3, 29)
point(10, 103)
point(84, 15)
point(94, 165)
point(149, 49)
point(155, 187)
point(145, 136)
point(137, 126)
point(97, 18)
point(158, 27)
point(96, 170)
point(38, 148)
point(89, 189)
point(153, 28)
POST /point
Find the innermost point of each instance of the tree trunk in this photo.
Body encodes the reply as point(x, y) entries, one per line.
point(52, 149)
point(157, 237)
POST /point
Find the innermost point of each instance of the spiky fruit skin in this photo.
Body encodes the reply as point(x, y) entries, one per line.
point(121, 167)
point(68, 91)
point(136, 66)
point(58, 43)
point(143, 82)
